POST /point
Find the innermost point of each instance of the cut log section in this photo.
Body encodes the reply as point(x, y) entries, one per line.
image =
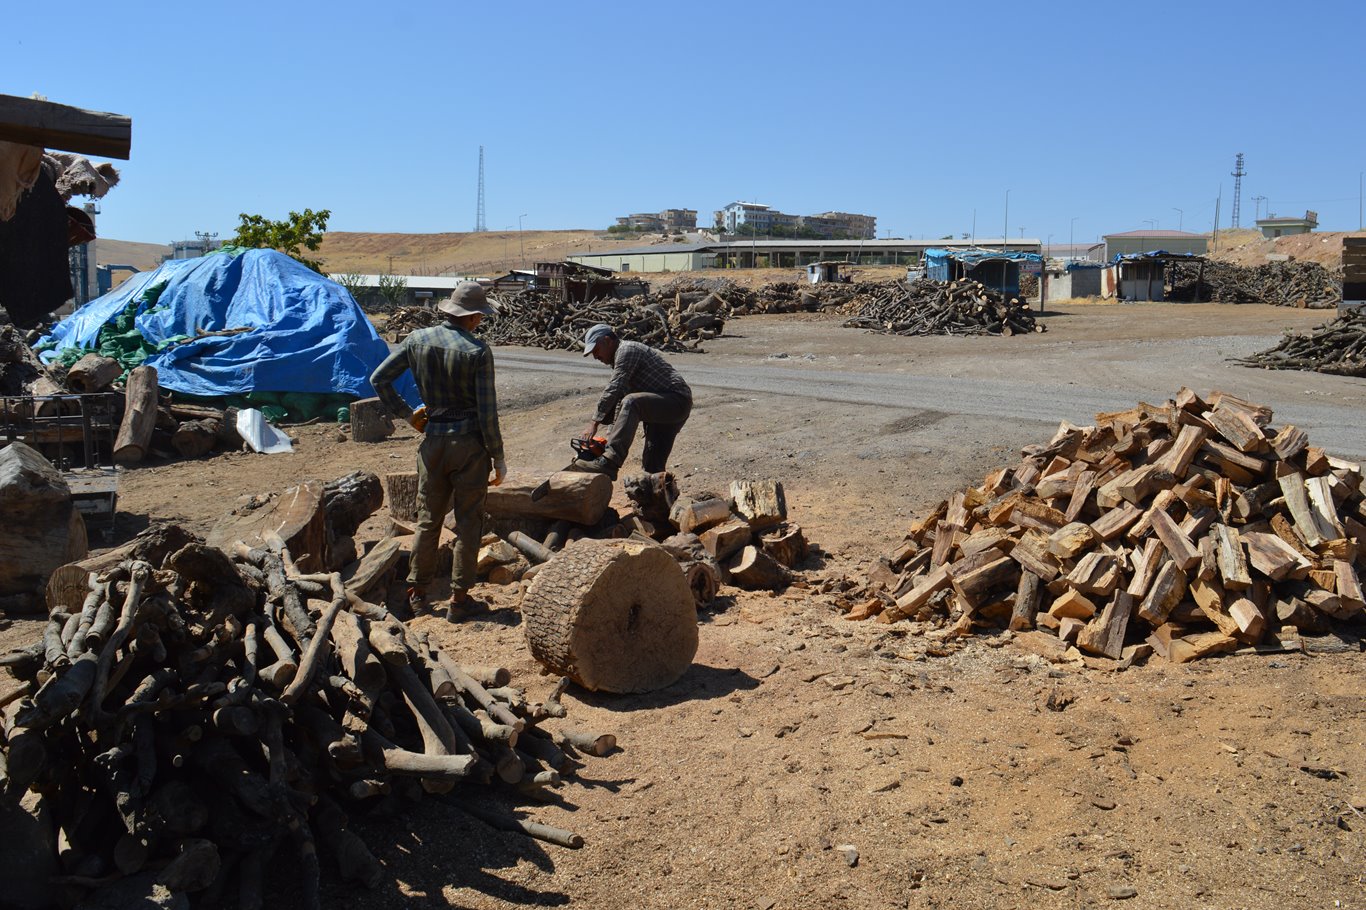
point(369, 421)
point(93, 373)
point(575, 496)
point(296, 515)
point(760, 502)
point(139, 416)
point(612, 615)
point(37, 534)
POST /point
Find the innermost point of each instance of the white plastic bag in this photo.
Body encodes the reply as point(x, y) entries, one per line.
point(259, 435)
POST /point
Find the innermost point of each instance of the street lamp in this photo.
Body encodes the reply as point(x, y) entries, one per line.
point(1180, 218)
point(1071, 250)
point(507, 233)
point(521, 246)
point(1152, 221)
point(1005, 229)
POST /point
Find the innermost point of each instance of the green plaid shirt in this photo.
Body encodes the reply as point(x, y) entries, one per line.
point(454, 374)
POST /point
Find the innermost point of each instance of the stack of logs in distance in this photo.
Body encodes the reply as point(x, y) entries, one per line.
point(927, 307)
point(1298, 284)
point(189, 716)
point(1337, 347)
point(677, 323)
point(1190, 528)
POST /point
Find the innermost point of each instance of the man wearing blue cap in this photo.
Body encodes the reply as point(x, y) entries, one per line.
point(644, 388)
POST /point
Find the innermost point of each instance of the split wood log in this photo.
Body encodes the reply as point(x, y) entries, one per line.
point(653, 495)
point(362, 575)
point(614, 616)
point(786, 544)
point(695, 516)
point(139, 416)
point(760, 502)
point(755, 570)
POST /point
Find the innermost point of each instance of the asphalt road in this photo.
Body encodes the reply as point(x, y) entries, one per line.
point(1337, 428)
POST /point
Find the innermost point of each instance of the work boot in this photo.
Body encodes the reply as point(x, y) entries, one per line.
point(463, 606)
point(600, 465)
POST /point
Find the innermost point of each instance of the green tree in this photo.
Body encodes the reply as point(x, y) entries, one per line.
point(301, 231)
point(394, 290)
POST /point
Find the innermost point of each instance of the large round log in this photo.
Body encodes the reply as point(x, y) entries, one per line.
point(93, 373)
point(612, 615)
point(297, 515)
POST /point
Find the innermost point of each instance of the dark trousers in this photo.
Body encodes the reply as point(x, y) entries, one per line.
point(663, 416)
point(451, 470)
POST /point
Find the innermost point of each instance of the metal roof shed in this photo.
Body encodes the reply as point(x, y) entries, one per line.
point(997, 269)
point(1143, 276)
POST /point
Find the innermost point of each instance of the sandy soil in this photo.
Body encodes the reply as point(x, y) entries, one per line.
point(809, 762)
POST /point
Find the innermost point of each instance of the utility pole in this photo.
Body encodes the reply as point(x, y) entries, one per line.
point(1238, 175)
point(1005, 229)
point(521, 245)
point(1071, 250)
point(1180, 218)
point(479, 215)
point(1257, 207)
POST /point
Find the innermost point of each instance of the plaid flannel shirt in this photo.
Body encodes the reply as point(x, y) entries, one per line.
point(639, 368)
point(454, 374)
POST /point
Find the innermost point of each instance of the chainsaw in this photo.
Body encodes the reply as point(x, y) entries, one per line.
point(584, 448)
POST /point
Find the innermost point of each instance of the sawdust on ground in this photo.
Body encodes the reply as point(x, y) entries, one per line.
point(809, 762)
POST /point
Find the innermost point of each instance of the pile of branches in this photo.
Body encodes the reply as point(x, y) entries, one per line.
point(190, 714)
point(1298, 284)
point(928, 307)
point(1190, 528)
point(405, 320)
point(1337, 347)
point(541, 319)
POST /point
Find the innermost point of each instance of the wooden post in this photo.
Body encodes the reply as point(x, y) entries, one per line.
point(29, 121)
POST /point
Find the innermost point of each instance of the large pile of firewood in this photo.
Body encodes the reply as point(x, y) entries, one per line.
point(1337, 347)
point(1192, 528)
point(542, 320)
point(928, 307)
point(192, 713)
point(1295, 283)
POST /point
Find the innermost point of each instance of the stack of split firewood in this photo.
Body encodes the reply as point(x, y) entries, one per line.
point(928, 307)
point(191, 714)
point(1297, 284)
point(1337, 347)
point(1191, 528)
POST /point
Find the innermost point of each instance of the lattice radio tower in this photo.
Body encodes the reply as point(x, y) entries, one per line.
point(479, 216)
point(1238, 175)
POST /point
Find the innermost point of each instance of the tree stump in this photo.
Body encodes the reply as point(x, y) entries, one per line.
point(612, 615)
point(755, 570)
point(193, 438)
point(369, 421)
point(297, 515)
point(139, 416)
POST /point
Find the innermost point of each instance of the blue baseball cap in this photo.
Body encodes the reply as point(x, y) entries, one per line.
point(594, 335)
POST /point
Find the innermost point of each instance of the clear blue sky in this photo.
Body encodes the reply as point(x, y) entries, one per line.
point(917, 113)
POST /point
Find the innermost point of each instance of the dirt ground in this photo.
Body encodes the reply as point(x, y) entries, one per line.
point(810, 762)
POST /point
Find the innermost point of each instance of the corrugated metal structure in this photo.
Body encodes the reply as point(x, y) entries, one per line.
point(795, 254)
point(1129, 242)
point(997, 269)
point(1143, 276)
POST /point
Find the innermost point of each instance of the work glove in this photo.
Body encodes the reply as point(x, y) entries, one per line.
point(418, 419)
point(500, 470)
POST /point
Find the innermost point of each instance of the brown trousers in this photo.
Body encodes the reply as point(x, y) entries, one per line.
point(452, 473)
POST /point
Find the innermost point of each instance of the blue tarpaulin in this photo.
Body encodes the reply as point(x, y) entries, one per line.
point(1157, 254)
point(940, 265)
point(291, 329)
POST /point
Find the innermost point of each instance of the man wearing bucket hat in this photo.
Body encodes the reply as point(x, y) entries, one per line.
point(644, 388)
point(461, 440)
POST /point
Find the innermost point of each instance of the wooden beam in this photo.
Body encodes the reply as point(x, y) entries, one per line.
point(60, 126)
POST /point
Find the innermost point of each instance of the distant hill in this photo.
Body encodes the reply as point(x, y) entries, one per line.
point(143, 256)
point(1249, 247)
point(485, 253)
